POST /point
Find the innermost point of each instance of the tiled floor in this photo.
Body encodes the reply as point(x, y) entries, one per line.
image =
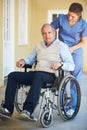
point(79, 123)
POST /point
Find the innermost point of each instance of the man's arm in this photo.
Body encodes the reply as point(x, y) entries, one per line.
point(30, 60)
point(32, 57)
point(68, 62)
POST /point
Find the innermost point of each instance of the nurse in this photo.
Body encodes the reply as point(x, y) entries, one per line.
point(73, 32)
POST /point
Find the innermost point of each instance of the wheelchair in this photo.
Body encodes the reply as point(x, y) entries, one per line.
point(65, 90)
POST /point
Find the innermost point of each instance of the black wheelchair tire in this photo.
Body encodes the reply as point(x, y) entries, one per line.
point(63, 83)
point(44, 119)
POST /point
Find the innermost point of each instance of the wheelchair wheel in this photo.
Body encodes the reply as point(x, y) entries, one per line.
point(69, 98)
point(20, 96)
point(46, 119)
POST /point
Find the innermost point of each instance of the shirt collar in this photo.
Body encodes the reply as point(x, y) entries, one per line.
point(55, 42)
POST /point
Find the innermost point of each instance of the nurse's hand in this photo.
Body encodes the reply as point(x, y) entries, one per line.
point(71, 49)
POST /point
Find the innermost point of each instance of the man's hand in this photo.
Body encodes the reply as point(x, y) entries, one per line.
point(20, 63)
point(55, 66)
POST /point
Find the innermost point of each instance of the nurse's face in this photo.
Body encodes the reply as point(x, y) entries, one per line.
point(73, 18)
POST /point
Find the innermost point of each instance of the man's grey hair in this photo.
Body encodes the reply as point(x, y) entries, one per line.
point(47, 24)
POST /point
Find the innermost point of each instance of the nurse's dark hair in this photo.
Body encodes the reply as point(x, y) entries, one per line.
point(47, 24)
point(76, 8)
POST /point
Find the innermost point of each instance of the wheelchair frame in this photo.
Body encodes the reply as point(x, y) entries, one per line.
point(59, 90)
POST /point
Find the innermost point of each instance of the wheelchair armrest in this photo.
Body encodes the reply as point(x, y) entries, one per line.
point(27, 66)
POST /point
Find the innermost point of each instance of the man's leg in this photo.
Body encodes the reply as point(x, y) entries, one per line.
point(14, 79)
point(38, 80)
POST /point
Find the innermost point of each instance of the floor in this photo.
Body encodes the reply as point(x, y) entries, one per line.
point(79, 123)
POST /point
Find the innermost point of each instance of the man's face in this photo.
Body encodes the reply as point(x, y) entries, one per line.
point(48, 35)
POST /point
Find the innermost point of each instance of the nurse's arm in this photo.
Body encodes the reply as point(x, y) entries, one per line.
point(80, 44)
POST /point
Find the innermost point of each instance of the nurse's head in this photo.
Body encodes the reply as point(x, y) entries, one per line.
point(75, 12)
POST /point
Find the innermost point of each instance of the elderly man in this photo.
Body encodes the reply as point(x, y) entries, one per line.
point(50, 54)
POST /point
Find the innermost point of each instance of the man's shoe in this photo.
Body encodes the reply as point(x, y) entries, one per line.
point(4, 112)
point(26, 114)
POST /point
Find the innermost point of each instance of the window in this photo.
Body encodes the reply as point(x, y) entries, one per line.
point(23, 22)
point(53, 14)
